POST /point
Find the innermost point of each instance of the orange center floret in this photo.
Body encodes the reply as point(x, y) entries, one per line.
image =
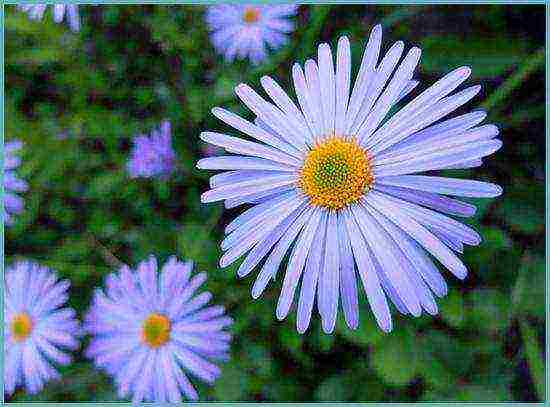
point(336, 173)
point(156, 330)
point(21, 327)
point(251, 15)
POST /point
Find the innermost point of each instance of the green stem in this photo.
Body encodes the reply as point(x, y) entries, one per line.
point(534, 357)
point(401, 14)
point(535, 61)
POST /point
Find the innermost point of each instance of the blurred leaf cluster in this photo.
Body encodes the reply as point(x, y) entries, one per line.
point(76, 100)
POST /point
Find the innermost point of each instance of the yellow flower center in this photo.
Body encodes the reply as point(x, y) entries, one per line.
point(336, 173)
point(156, 330)
point(21, 327)
point(251, 15)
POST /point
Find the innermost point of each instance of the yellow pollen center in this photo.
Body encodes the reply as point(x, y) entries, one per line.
point(156, 330)
point(21, 327)
point(251, 15)
point(336, 173)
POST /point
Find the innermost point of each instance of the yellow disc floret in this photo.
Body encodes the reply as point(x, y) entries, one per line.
point(251, 15)
point(336, 173)
point(21, 327)
point(156, 330)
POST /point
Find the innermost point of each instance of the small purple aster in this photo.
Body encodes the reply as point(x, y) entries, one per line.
point(246, 30)
point(36, 12)
point(148, 328)
point(35, 327)
point(153, 156)
point(13, 204)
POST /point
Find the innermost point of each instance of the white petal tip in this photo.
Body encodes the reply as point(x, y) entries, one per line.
point(328, 326)
point(353, 325)
point(343, 40)
point(461, 273)
point(281, 314)
point(255, 293)
point(431, 311)
point(497, 191)
point(205, 198)
point(386, 327)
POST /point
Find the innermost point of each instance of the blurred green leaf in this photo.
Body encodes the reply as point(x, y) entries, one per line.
point(488, 57)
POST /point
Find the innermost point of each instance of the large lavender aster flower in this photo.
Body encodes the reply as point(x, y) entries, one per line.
point(337, 180)
point(35, 327)
point(246, 30)
point(13, 204)
point(148, 329)
point(153, 156)
point(36, 12)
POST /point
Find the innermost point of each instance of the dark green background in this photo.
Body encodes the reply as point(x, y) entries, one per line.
point(132, 66)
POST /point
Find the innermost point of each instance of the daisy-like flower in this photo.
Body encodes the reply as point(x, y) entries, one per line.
point(241, 31)
point(148, 328)
point(336, 180)
point(36, 12)
point(13, 204)
point(152, 156)
point(36, 328)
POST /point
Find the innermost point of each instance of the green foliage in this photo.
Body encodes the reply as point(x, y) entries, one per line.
point(76, 100)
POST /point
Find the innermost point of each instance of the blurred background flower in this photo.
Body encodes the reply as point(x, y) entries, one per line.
point(38, 331)
point(152, 156)
point(13, 203)
point(133, 66)
point(36, 12)
point(248, 30)
point(150, 328)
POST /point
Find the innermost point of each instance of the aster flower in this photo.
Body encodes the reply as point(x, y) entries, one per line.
point(36, 328)
point(13, 204)
point(36, 12)
point(338, 181)
point(148, 328)
point(241, 31)
point(153, 156)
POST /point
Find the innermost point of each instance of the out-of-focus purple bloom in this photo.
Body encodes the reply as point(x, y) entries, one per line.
point(149, 329)
point(334, 180)
point(36, 12)
point(245, 31)
point(152, 156)
point(35, 327)
point(13, 204)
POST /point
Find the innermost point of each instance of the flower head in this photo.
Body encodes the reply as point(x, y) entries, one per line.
point(153, 156)
point(13, 204)
point(35, 327)
point(149, 327)
point(335, 181)
point(36, 12)
point(244, 31)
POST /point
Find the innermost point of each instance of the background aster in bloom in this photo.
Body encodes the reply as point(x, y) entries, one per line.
point(245, 31)
point(152, 156)
point(148, 328)
point(36, 12)
point(337, 181)
point(35, 327)
point(13, 204)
